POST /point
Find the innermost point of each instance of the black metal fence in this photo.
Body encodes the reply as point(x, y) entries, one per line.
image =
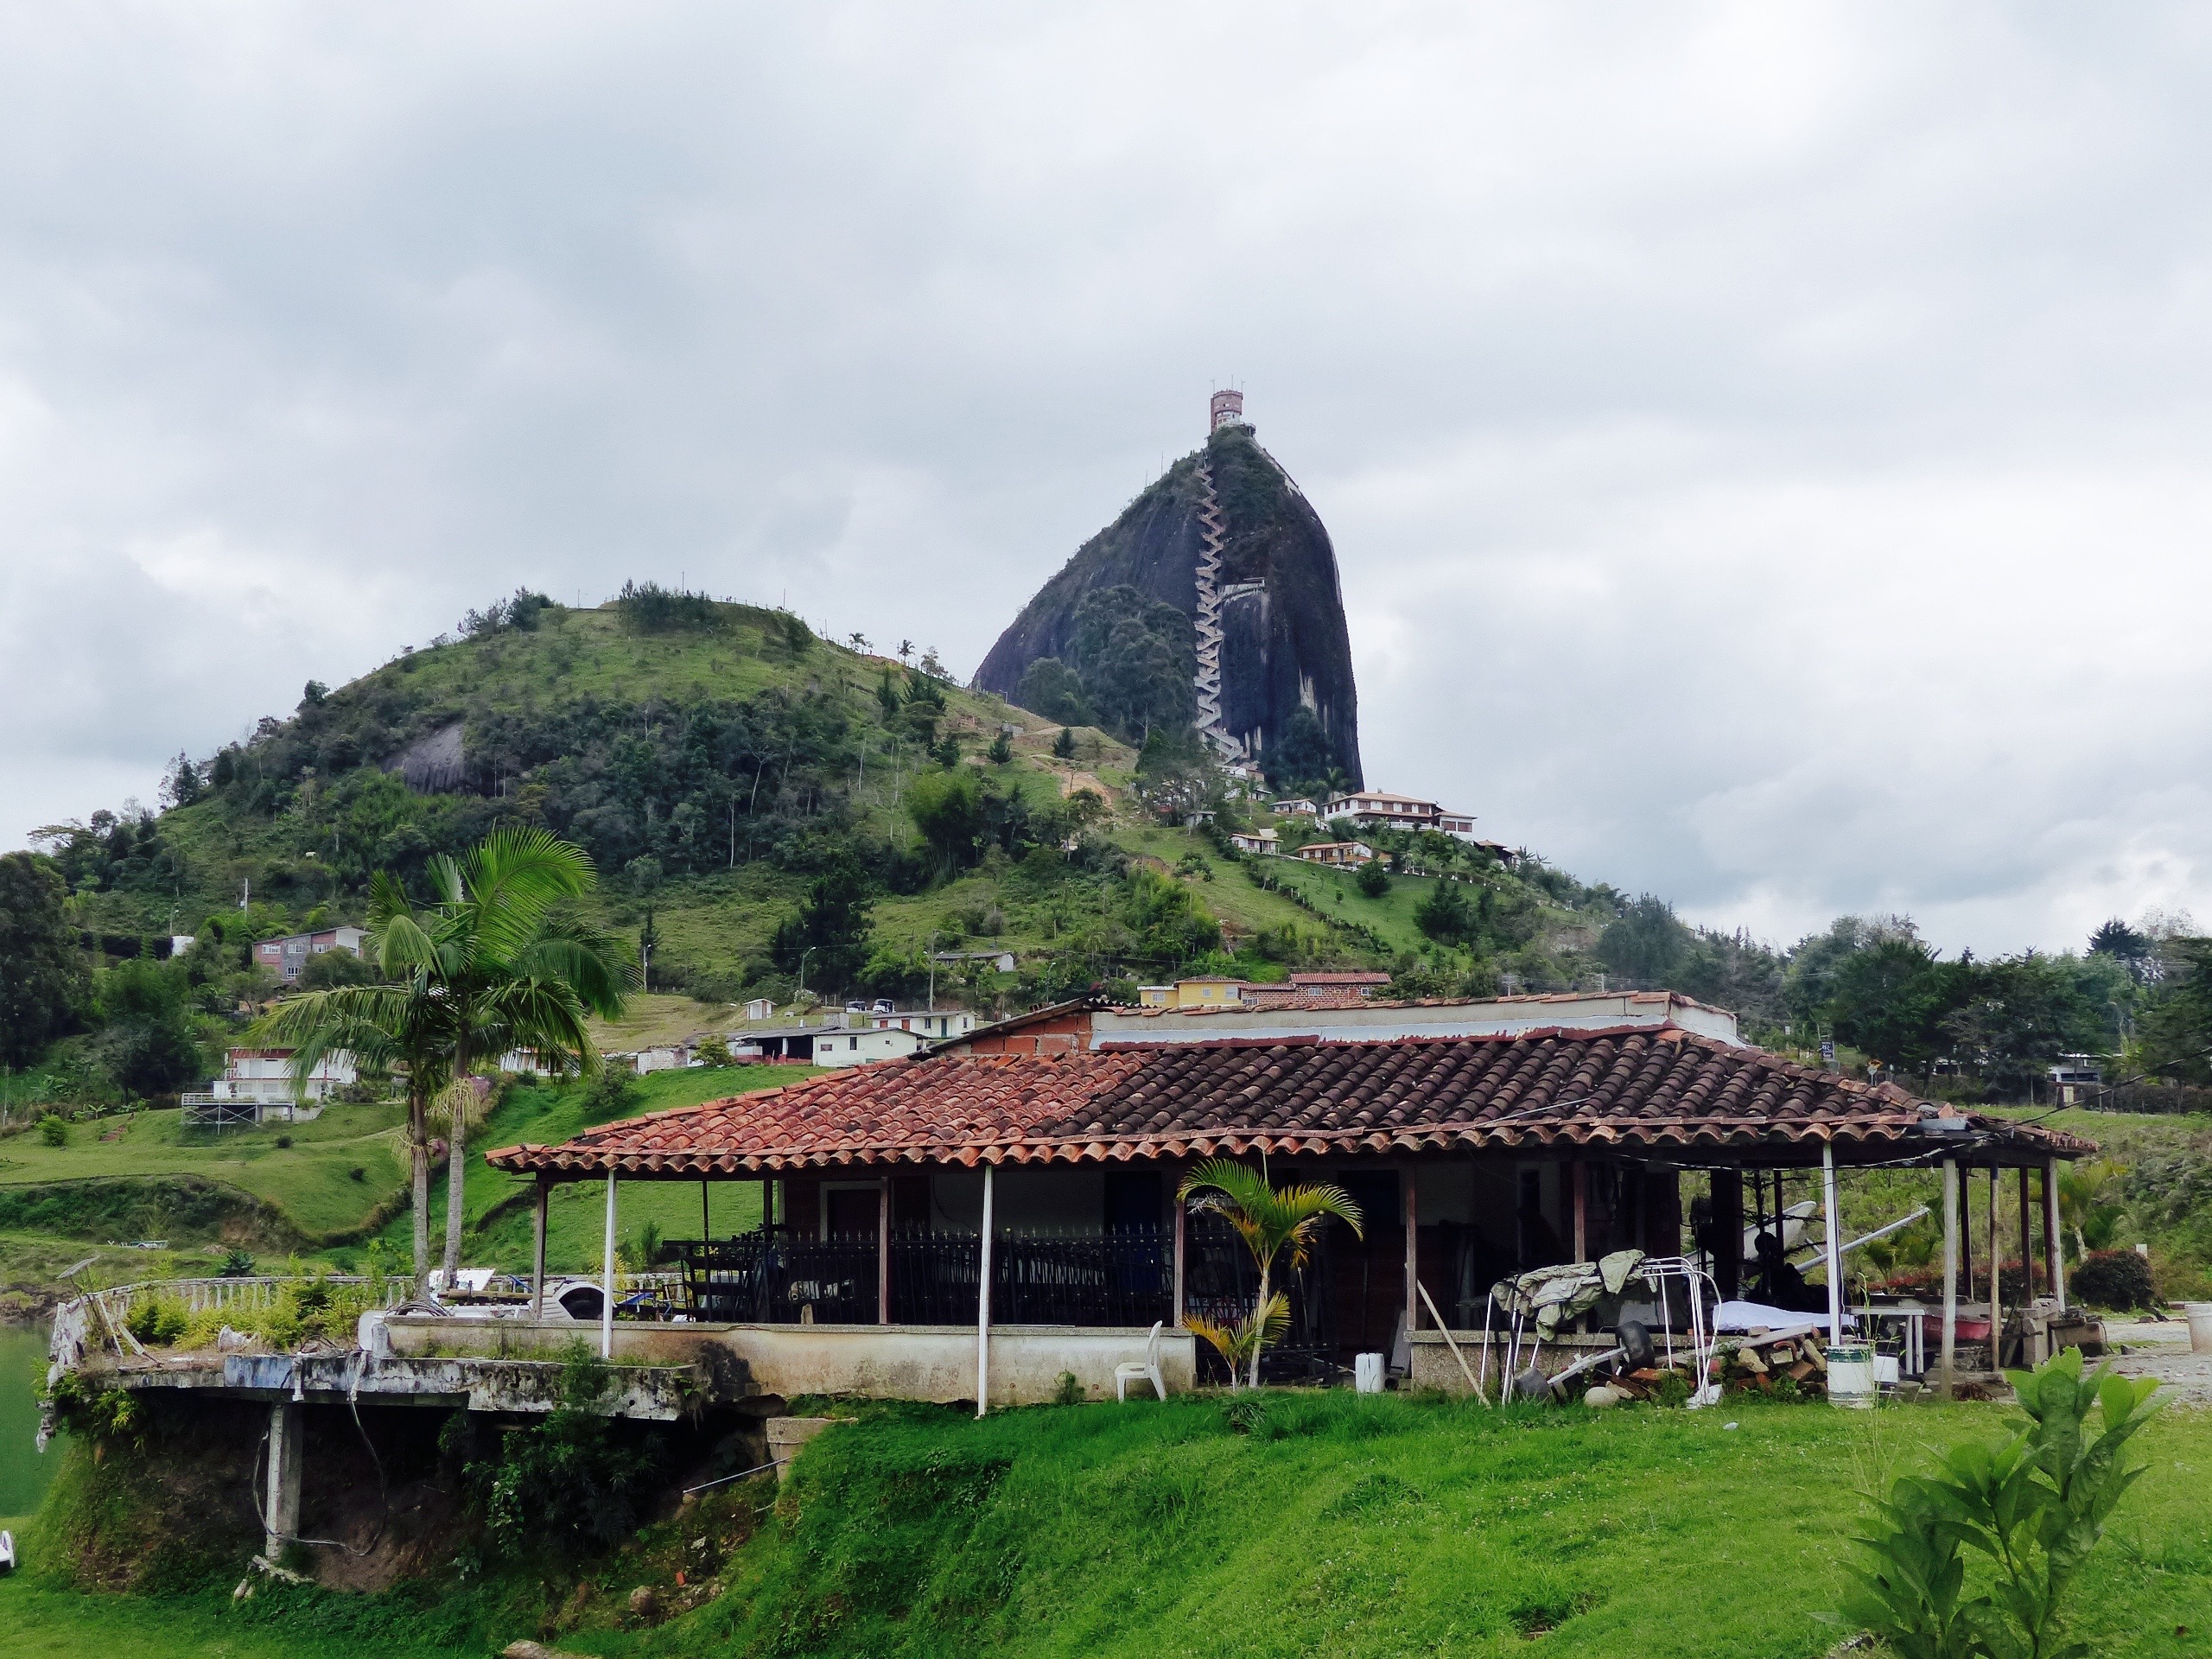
point(1123, 1278)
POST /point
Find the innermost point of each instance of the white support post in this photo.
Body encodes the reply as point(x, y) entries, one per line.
point(984, 1306)
point(537, 1249)
point(281, 1505)
point(1951, 1269)
point(606, 1301)
point(2054, 1234)
point(1831, 1218)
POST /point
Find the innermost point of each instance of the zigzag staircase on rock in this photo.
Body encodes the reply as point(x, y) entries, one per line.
point(1208, 678)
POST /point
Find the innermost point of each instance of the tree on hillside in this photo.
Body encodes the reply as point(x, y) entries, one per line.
point(2174, 1032)
point(1302, 762)
point(1447, 916)
point(1890, 1001)
point(147, 1040)
point(947, 807)
point(42, 978)
point(2022, 1012)
point(2133, 950)
point(1048, 687)
point(491, 965)
point(826, 941)
point(1646, 943)
point(1137, 658)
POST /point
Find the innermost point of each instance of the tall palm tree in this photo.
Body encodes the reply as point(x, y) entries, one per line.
point(489, 966)
point(1269, 1219)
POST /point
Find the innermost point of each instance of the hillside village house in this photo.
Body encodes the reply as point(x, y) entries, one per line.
point(974, 1221)
point(1371, 808)
point(288, 957)
point(1297, 806)
point(1263, 842)
point(1207, 991)
point(1337, 854)
point(1314, 990)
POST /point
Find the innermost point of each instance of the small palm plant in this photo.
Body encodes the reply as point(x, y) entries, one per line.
point(1269, 1219)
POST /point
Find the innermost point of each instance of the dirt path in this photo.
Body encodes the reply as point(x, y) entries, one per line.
point(2159, 1348)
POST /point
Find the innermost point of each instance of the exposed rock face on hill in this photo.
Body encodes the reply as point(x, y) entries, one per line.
point(1283, 644)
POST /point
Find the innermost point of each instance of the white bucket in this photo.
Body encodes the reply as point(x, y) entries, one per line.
point(1851, 1376)
point(1367, 1373)
point(2200, 1326)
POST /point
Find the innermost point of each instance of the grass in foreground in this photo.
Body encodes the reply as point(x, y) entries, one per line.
point(1340, 1524)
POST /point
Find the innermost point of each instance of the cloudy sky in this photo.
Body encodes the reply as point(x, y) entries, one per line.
point(1765, 445)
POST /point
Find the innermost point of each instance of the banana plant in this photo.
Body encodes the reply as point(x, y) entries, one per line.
point(1270, 1220)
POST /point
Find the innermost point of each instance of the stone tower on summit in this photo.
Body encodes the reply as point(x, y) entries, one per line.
point(1227, 539)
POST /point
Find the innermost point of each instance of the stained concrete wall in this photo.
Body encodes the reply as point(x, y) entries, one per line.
point(876, 1362)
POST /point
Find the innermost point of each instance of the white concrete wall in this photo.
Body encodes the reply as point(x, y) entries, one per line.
point(876, 1362)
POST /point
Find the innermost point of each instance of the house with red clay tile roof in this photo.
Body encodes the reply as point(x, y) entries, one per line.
point(1473, 1154)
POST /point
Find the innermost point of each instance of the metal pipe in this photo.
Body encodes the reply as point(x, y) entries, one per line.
point(606, 1300)
point(984, 1306)
point(1829, 1220)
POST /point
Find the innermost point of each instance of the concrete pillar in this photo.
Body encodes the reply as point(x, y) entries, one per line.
point(281, 1498)
point(1950, 1271)
point(2027, 1243)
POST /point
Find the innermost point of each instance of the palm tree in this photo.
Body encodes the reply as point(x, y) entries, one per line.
point(488, 967)
point(1269, 1219)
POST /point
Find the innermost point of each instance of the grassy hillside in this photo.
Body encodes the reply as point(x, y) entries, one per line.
point(322, 1198)
point(1300, 1524)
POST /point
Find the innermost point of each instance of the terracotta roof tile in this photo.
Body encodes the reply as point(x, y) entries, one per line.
point(1661, 1091)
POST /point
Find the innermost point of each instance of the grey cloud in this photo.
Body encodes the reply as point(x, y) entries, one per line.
point(1763, 444)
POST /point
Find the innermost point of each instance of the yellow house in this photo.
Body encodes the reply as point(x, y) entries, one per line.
point(1210, 992)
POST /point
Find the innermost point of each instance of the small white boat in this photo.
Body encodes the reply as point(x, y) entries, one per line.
point(7, 1550)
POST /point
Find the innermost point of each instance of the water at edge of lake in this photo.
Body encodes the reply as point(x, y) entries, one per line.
point(23, 1472)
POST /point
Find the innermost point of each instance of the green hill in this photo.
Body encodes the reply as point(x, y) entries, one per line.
point(715, 759)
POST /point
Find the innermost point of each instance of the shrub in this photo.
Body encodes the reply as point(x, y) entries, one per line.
point(284, 1143)
point(53, 1131)
point(1069, 1391)
point(2035, 1508)
point(1374, 880)
point(575, 1481)
point(2115, 1278)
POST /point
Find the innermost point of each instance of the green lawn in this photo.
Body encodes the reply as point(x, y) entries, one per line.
point(312, 1184)
point(1337, 1525)
point(311, 1180)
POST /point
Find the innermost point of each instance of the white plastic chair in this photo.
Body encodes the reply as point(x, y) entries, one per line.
point(1147, 1369)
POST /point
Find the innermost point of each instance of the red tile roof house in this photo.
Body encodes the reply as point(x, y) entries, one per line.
point(1479, 1139)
